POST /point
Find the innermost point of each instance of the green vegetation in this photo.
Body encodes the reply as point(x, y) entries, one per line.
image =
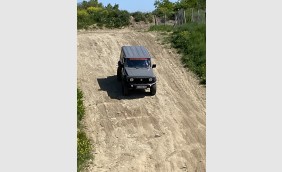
point(168, 9)
point(93, 13)
point(139, 16)
point(190, 40)
point(80, 105)
point(164, 7)
point(83, 143)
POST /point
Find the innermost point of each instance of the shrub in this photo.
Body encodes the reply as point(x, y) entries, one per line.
point(80, 105)
point(149, 17)
point(110, 17)
point(83, 19)
point(83, 143)
point(83, 150)
point(93, 10)
point(190, 39)
point(139, 16)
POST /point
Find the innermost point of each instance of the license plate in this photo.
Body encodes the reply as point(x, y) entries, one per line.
point(141, 87)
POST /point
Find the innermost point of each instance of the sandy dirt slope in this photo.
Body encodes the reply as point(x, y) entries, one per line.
point(165, 132)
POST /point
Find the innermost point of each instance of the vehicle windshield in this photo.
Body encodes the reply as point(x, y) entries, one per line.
point(137, 62)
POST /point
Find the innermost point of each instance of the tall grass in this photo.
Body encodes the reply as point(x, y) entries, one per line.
point(190, 40)
point(84, 146)
point(80, 105)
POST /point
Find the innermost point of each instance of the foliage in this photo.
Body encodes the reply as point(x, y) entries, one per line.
point(80, 106)
point(91, 3)
point(83, 150)
point(164, 7)
point(83, 19)
point(149, 17)
point(185, 4)
point(93, 13)
point(139, 16)
point(190, 40)
point(83, 143)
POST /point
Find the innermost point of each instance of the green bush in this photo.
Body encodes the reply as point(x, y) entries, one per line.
point(83, 19)
point(109, 16)
point(83, 150)
point(139, 16)
point(190, 39)
point(83, 143)
point(80, 105)
point(149, 17)
point(117, 19)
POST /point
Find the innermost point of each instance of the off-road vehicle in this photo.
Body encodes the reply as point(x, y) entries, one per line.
point(135, 70)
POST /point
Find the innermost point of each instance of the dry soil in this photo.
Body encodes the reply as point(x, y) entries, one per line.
point(165, 132)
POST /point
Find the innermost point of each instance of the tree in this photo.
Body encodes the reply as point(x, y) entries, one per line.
point(164, 7)
point(91, 3)
point(185, 4)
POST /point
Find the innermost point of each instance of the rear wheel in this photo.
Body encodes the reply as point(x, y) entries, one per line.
point(153, 89)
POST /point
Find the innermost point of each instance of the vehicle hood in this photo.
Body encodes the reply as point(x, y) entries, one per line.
point(139, 72)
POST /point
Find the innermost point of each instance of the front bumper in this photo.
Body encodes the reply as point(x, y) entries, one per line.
point(140, 86)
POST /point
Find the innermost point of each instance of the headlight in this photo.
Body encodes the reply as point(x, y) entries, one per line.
point(150, 79)
point(131, 79)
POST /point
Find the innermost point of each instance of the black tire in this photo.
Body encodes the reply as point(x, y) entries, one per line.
point(153, 89)
point(119, 74)
point(125, 90)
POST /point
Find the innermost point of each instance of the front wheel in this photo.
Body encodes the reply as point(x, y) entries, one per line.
point(125, 90)
point(119, 74)
point(153, 89)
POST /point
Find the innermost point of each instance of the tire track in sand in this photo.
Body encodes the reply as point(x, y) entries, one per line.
point(166, 132)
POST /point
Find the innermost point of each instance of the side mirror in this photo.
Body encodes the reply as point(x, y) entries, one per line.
point(154, 66)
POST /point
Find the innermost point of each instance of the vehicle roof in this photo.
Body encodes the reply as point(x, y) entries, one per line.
point(135, 52)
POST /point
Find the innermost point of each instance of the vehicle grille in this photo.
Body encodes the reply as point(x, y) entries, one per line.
point(141, 81)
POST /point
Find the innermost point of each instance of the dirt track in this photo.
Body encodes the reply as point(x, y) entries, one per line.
point(166, 132)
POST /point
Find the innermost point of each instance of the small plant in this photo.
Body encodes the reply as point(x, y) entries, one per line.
point(80, 106)
point(84, 146)
point(83, 150)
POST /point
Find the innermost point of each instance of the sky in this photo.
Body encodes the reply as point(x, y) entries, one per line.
point(132, 5)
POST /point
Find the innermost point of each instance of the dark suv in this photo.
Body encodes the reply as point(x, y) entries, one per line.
point(135, 69)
